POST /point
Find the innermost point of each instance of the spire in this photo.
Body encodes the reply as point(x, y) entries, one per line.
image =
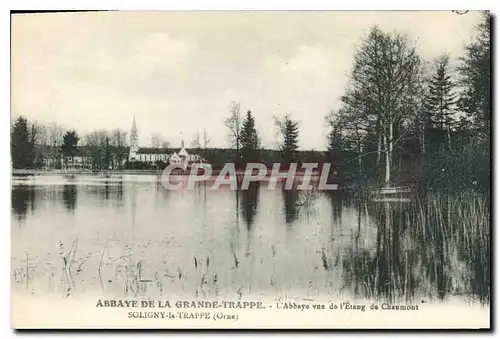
point(134, 139)
point(182, 144)
point(134, 127)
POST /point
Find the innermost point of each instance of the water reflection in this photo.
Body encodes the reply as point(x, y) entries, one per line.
point(419, 250)
point(336, 204)
point(69, 196)
point(108, 193)
point(22, 199)
point(290, 203)
point(249, 203)
point(415, 256)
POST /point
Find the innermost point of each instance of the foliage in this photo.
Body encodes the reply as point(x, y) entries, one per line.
point(69, 145)
point(475, 77)
point(382, 97)
point(441, 98)
point(249, 139)
point(467, 167)
point(289, 131)
point(21, 147)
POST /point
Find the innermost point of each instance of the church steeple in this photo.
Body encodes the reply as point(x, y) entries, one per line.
point(134, 127)
point(134, 138)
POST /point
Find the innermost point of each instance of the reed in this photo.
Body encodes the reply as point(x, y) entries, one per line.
point(435, 247)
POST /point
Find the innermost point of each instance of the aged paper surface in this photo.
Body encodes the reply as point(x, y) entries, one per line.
point(318, 170)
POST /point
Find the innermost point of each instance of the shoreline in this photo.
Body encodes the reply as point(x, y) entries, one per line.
point(81, 172)
point(129, 172)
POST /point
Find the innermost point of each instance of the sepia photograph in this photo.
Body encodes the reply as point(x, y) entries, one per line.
point(250, 169)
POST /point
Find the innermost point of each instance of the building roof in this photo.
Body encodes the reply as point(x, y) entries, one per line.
point(152, 150)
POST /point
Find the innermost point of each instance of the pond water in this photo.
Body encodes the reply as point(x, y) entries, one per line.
point(125, 236)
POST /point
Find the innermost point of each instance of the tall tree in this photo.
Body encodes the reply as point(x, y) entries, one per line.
point(384, 79)
point(233, 124)
point(440, 101)
point(249, 138)
point(69, 146)
point(475, 77)
point(119, 145)
point(20, 146)
point(336, 142)
point(96, 143)
point(39, 140)
point(289, 130)
point(55, 134)
point(355, 121)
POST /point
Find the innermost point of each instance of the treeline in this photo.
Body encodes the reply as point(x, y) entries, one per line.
point(247, 145)
point(402, 121)
point(51, 146)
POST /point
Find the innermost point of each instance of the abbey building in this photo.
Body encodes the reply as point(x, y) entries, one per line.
point(151, 155)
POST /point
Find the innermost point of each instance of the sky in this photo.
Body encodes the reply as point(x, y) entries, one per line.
point(178, 72)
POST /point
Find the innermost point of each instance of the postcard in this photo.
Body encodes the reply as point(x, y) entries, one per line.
point(251, 170)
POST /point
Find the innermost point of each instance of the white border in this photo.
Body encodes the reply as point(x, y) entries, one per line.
point(6, 6)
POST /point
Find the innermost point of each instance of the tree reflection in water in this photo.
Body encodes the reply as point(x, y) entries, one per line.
point(69, 196)
point(433, 249)
point(249, 203)
point(22, 198)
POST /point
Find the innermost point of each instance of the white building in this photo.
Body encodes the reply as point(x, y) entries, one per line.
point(154, 155)
point(76, 162)
point(188, 158)
point(148, 155)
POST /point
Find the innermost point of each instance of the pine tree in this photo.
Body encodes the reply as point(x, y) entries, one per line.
point(475, 77)
point(290, 133)
point(440, 101)
point(334, 145)
point(20, 146)
point(69, 145)
point(249, 139)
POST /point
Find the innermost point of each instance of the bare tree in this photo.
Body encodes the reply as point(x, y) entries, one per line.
point(384, 80)
point(119, 138)
point(97, 143)
point(54, 133)
point(352, 122)
point(41, 134)
point(233, 123)
point(119, 143)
